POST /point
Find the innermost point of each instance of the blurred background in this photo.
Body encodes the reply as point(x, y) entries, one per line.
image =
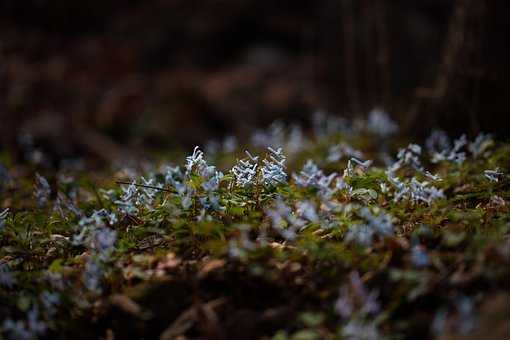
point(96, 78)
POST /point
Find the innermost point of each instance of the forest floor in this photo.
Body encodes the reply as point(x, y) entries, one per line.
point(347, 232)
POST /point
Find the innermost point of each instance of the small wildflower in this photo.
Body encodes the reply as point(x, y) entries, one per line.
point(419, 256)
point(306, 209)
point(312, 177)
point(364, 233)
point(380, 124)
point(238, 247)
point(273, 171)
point(415, 190)
point(36, 326)
point(273, 137)
point(42, 190)
point(437, 142)
point(494, 175)
point(466, 315)
point(497, 201)
point(410, 156)
point(339, 151)
point(454, 154)
point(6, 277)
point(103, 242)
point(50, 301)
point(3, 216)
point(16, 329)
point(5, 177)
point(325, 125)
point(92, 275)
point(344, 305)
point(229, 144)
point(296, 141)
point(213, 183)
point(357, 329)
point(438, 326)
point(245, 171)
point(284, 220)
point(196, 161)
point(354, 164)
point(480, 144)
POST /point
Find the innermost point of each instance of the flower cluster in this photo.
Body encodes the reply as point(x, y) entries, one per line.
point(380, 124)
point(31, 328)
point(6, 277)
point(356, 305)
point(493, 175)
point(453, 154)
point(3, 216)
point(414, 190)
point(273, 171)
point(42, 191)
point(245, 171)
point(96, 235)
point(341, 150)
point(375, 226)
point(284, 220)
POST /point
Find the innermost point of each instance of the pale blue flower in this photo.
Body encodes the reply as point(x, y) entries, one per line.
point(245, 171)
point(6, 277)
point(494, 175)
point(42, 190)
point(380, 124)
point(419, 256)
point(480, 144)
point(273, 171)
point(3, 216)
point(454, 154)
point(339, 151)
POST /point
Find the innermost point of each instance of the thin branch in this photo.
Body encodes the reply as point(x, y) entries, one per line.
point(144, 186)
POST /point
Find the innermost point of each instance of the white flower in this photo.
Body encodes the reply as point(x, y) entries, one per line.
point(306, 209)
point(296, 141)
point(92, 275)
point(211, 202)
point(229, 144)
point(245, 171)
point(410, 156)
point(273, 137)
point(354, 163)
point(42, 190)
point(497, 201)
point(237, 247)
point(363, 234)
point(357, 329)
point(196, 161)
point(437, 142)
point(414, 190)
point(213, 183)
point(3, 216)
point(493, 175)
point(284, 221)
point(273, 171)
point(326, 125)
point(480, 144)
point(339, 151)
point(380, 123)
point(309, 176)
point(103, 242)
point(6, 277)
point(419, 256)
point(454, 154)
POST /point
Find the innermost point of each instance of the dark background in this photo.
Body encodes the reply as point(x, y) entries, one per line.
point(100, 77)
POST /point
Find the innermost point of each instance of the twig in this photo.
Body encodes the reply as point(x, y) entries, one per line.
point(144, 186)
